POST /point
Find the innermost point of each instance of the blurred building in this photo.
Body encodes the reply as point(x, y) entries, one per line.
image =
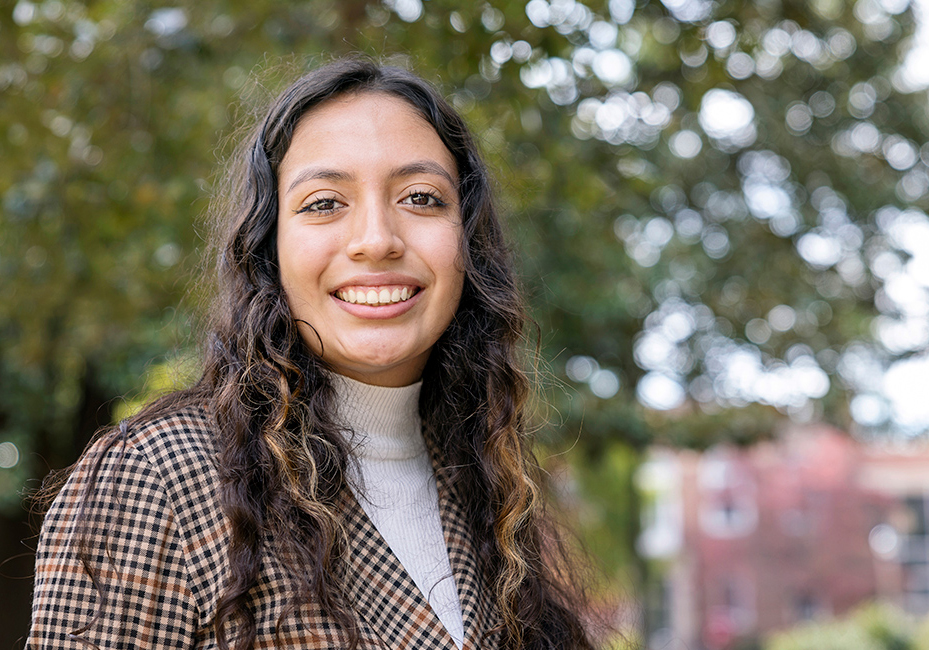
point(747, 541)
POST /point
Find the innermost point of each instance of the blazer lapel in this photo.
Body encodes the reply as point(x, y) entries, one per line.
point(384, 595)
point(474, 589)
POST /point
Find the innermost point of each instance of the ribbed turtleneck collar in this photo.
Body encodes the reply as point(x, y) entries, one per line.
point(385, 420)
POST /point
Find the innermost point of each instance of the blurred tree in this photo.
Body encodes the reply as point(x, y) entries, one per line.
point(716, 203)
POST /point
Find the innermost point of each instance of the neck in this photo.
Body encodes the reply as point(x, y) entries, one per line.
point(380, 420)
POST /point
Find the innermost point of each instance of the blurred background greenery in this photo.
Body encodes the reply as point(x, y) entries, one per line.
point(718, 209)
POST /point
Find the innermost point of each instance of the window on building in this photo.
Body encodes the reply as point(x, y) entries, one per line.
point(914, 556)
point(805, 606)
point(728, 507)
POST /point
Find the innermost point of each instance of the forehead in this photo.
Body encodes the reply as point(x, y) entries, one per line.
point(359, 124)
point(361, 102)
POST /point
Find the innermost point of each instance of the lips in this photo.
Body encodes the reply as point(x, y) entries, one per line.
point(376, 295)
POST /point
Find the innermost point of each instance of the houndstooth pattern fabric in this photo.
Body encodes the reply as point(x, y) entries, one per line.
point(158, 543)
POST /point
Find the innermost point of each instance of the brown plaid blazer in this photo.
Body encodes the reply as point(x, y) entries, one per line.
point(158, 545)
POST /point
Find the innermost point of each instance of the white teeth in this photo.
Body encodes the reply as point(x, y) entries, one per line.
point(375, 297)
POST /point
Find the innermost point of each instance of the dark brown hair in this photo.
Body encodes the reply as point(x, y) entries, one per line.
point(282, 460)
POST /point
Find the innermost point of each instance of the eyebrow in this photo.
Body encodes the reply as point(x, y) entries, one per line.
point(423, 167)
point(410, 169)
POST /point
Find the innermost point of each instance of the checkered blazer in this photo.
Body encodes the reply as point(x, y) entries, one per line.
point(158, 544)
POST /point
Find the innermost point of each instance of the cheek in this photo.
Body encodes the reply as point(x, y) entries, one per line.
point(458, 270)
point(285, 264)
point(302, 256)
point(298, 275)
point(454, 272)
point(449, 262)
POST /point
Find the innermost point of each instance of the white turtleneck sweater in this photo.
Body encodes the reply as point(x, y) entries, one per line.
point(397, 488)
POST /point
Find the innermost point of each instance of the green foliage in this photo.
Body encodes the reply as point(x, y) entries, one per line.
point(606, 509)
point(873, 627)
point(159, 379)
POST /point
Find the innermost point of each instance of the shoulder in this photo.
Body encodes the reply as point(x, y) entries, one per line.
point(152, 487)
point(179, 444)
point(171, 456)
point(179, 449)
point(137, 526)
point(183, 433)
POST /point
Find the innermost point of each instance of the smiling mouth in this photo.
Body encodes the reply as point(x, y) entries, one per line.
point(376, 296)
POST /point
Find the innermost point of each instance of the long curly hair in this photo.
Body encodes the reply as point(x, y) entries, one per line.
point(282, 459)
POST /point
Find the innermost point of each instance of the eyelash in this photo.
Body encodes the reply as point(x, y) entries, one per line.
point(430, 196)
point(309, 206)
point(433, 201)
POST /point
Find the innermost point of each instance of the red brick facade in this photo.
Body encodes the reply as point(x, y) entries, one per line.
point(748, 541)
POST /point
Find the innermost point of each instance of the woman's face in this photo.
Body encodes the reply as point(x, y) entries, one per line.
point(368, 236)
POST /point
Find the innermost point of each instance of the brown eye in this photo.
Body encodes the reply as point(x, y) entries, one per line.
point(320, 206)
point(424, 200)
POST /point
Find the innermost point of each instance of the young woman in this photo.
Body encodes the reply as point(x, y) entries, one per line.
point(351, 470)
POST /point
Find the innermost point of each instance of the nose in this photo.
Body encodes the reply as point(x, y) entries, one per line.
point(375, 233)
